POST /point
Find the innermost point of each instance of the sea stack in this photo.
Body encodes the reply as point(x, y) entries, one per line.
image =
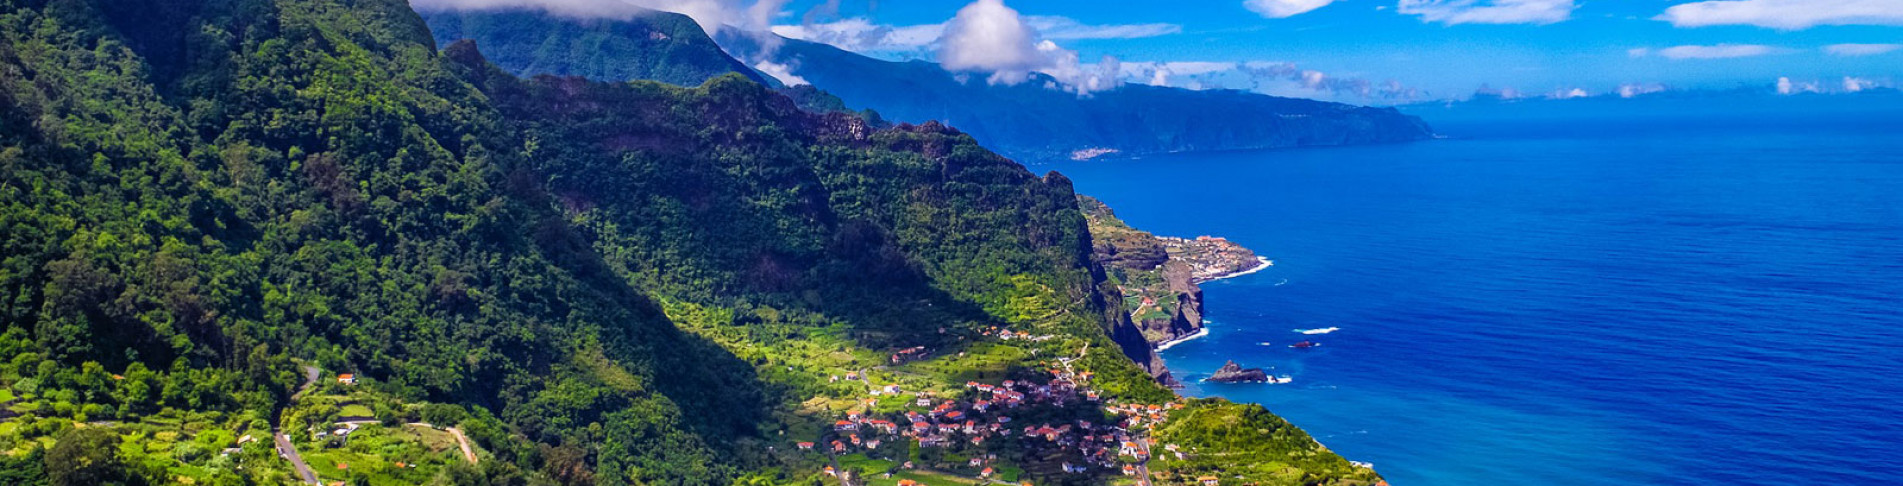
point(1235, 373)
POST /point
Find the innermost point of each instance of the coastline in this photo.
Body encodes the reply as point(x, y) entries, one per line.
point(1262, 263)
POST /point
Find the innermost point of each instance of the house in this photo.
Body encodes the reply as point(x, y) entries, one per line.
point(839, 446)
point(347, 378)
point(933, 441)
point(845, 426)
point(872, 444)
point(924, 402)
point(1130, 449)
point(806, 446)
point(987, 473)
point(907, 482)
point(1129, 470)
point(829, 471)
point(974, 462)
point(1207, 480)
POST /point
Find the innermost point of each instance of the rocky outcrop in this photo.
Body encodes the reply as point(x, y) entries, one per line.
point(1157, 276)
point(1235, 373)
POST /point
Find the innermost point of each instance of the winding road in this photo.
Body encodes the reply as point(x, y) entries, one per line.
point(285, 448)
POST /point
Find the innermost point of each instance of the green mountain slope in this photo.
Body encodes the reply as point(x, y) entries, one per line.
point(628, 283)
point(658, 46)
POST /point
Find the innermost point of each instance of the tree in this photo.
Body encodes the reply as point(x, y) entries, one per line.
point(86, 457)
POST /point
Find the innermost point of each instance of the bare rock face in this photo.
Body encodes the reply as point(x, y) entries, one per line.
point(1235, 373)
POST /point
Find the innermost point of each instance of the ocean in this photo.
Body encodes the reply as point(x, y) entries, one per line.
point(1675, 299)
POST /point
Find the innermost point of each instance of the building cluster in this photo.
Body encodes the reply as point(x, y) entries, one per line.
point(983, 416)
point(1209, 257)
point(1139, 415)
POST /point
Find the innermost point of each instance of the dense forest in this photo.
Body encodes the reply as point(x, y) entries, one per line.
point(204, 202)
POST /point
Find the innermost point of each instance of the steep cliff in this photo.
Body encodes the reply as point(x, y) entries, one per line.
point(1157, 275)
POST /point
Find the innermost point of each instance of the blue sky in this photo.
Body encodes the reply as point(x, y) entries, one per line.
point(1432, 48)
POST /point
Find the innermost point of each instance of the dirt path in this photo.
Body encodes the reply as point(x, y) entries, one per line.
point(469, 453)
point(463, 441)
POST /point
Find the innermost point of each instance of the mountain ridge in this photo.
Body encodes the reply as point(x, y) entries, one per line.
point(1036, 122)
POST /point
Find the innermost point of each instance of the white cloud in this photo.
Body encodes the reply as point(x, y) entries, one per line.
point(1787, 87)
point(1278, 78)
point(1854, 84)
point(782, 72)
point(1848, 84)
point(1720, 51)
point(990, 38)
point(861, 35)
point(1629, 90)
point(1567, 94)
point(1488, 11)
point(1066, 28)
point(1277, 9)
point(1785, 14)
point(1855, 50)
point(987, 36)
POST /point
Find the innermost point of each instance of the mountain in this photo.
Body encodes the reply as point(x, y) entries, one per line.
point(244, 231)
point(1031, 121)
point(656, 46)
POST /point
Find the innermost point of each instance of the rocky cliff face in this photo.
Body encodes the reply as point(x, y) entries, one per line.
point(1157, 276)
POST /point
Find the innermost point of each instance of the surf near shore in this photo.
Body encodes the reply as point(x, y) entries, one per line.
point(1167, 344)
point(1262, 263)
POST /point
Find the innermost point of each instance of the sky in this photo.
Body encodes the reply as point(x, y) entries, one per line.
point(1371, 51)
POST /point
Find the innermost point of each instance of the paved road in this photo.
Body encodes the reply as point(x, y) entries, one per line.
point(285, 448)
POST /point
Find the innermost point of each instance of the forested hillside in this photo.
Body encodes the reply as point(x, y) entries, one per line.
point(206, 202)
point(658, 46)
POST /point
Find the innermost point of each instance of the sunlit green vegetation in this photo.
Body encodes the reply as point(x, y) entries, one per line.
point(599, 283)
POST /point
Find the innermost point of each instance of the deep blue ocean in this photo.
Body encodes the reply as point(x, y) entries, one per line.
point(1674, 299)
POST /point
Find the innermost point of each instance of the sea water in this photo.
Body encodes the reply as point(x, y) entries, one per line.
point(1697, 299)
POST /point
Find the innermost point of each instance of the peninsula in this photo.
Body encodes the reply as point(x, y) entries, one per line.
point(1159, 276)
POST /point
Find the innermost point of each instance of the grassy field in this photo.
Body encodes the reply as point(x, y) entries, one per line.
point(374, 453)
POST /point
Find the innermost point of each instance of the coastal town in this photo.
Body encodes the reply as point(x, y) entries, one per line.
point(1008, 431)
point(1212, 257)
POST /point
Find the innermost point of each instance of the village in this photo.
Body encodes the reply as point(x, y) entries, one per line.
point(1052, 428)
